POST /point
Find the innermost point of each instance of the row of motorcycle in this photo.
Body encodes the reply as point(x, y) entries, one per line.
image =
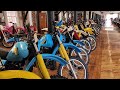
point(66, 50)
point(116, 22)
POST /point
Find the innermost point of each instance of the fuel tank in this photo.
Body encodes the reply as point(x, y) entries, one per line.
point(22, 50)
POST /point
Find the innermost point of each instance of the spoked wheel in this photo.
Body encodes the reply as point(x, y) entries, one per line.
point(87, 45)
point(74, 54)
point(93, 35)
point(4, 43)
point(96, 31)
point(67, 72)
point(18, 74)
point(80, 55)
point(92, 42)
point(7, 45)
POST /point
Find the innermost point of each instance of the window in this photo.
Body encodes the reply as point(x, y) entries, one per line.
point(12, 16)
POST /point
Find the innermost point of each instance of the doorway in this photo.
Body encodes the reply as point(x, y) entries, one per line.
point(108, 22)
point(43, 20)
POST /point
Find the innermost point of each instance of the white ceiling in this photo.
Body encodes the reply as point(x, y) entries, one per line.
point(111, 11)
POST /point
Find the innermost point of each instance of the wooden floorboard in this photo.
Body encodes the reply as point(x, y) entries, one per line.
point(105, 60)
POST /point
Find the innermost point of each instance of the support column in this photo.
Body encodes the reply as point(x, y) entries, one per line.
point(68, 16)
point(89, 14)
point(75, 17)
point(84, 15)
point(38, 21)
point(93, 15)
point(50, 20)
point(118, 15)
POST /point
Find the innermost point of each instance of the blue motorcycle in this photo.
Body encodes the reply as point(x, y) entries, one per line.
point(49, 47)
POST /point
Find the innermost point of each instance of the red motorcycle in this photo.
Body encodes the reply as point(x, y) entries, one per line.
point(8, 32)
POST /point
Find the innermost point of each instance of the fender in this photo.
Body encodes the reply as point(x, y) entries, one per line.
point(66, 45)
point(6, 31)
point(10, 74)
point(89, 30)
point(47, 56)
point(78, 41)
point(13, 39)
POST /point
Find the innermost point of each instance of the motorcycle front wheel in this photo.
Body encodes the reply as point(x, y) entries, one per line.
point(81, 73)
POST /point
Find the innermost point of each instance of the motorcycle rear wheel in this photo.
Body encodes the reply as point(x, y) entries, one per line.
point(7, 45)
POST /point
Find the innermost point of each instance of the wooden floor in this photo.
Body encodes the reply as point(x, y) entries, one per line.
point(105, 59)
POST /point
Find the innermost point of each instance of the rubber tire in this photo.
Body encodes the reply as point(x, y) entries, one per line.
point(82, 49)
point(89, 45)
point(86, 67)
point(12, 44)
point(95, 43)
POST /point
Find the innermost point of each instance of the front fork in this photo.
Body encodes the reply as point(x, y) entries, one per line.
point(4, 36)
point(41, 64)
point(64, 54)
point(42, 67)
